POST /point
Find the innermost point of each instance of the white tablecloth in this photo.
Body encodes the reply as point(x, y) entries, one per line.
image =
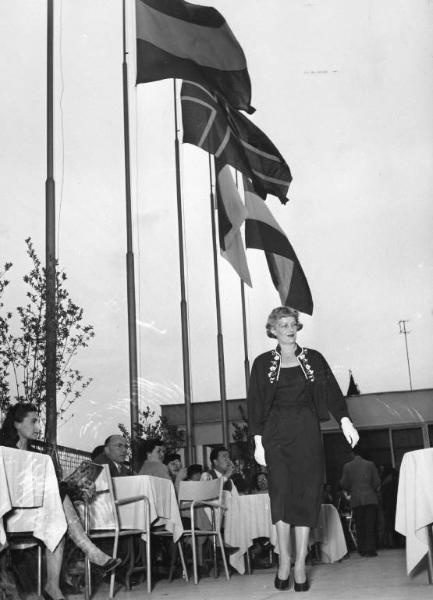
point(164, 509)
point(29, 496)
point(249, 517)
point(414, 512)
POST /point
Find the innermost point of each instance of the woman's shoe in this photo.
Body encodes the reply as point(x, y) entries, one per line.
point(302, 587)
point(282, 584)
point(111, 564)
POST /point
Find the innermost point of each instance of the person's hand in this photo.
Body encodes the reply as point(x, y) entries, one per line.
point(349, 432)
point(181, 474)
point(259, 454)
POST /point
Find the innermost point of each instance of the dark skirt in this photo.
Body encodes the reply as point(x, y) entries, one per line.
point(294, 453)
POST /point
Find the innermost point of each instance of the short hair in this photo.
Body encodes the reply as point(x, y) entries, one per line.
point(108, 440)
point(215, 451)
point(278, 313)
point(149, 446)
point(170, 457)
point(193, 470)
point(97, 450)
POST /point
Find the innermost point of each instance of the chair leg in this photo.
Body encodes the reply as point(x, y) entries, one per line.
point(131, 553)
point(214, 551)
point(87, 579)
point(173, 560)
point(182, 560)
point(194, 556)
point(39, 570)
point(223, 555)
point(148, 549)
point(113, 574)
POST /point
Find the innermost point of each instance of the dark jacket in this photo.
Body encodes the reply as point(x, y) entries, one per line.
point(103, 459)
point(361, 479)
point(320, 385)
point(228, 484)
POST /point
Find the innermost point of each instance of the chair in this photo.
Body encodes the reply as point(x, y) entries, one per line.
point(208, 495)
point(116, 532)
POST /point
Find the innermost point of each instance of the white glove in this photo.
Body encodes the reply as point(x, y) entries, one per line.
point(259, 452)
point(349, 432)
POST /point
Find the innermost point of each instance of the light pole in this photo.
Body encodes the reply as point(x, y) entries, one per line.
point(402, 325)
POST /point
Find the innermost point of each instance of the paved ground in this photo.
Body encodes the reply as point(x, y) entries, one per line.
point(355, 578)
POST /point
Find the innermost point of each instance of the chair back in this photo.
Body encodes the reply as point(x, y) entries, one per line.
point(105, 501)
point(201, 490)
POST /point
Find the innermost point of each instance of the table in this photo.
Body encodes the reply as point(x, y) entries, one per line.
point(164, 509)
point(29, 497)
point(249, 517)
point(414, 514)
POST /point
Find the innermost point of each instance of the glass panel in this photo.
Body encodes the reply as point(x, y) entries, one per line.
point(430, 434)
point(405, 440)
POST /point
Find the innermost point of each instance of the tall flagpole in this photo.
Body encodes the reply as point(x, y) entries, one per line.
point(50, 246)
point(183, 301)
point(130, 276)
point(220, 341)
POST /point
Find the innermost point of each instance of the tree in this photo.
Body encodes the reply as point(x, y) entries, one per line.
point(152, 427)
point(23, 337)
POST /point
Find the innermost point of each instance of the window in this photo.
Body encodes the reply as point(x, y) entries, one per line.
point(405, 440)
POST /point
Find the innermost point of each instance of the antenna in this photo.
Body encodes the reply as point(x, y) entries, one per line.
point(402, 325)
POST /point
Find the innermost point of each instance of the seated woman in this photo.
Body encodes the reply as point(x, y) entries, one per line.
point(19, 428)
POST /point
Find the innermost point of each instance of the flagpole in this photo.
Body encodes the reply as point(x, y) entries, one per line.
point(50, 246)
point(183, 300)
point(130, 276)
point(220, 341)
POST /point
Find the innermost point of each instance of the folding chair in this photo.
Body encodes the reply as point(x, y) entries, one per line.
point(116, 531)
point(209, 495)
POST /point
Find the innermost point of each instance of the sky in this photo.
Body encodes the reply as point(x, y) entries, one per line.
point(343, 88)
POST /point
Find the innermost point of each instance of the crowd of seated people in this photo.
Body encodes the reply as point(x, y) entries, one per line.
point(20, 429)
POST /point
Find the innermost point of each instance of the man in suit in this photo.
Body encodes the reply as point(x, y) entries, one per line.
point(361, 479)
point(221, 466)
point(114, 455)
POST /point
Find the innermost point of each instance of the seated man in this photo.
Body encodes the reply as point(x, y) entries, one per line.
point(114, 455)
point(221, 466)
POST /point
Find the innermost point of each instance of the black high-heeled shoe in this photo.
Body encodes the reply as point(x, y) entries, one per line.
point(302, 587)
point(282, 584)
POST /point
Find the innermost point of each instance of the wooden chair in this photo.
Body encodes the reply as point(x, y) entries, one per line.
point(204, 495)
point(116, 532)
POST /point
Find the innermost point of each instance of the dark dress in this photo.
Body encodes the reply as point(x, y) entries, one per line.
point(293, 452)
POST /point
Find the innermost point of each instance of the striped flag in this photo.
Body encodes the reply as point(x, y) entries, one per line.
point(211, 124)
point(188, 41)
point(231, 216)
point(263, 233)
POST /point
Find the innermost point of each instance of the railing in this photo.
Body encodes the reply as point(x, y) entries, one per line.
point(65, 459)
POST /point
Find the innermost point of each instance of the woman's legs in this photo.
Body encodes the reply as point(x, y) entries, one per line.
point(54, 566)
point(78, 535)
point(301, 535)
point(283, 535)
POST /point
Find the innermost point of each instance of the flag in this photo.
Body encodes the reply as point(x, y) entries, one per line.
point(353, 389)
point(188, 41)
point(263, 233)
point(211, 124)
point(231, 216)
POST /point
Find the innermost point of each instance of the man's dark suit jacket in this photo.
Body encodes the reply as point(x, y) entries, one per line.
point(228, 485)
point(123, 470)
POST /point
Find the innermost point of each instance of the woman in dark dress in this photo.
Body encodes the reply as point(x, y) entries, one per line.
point(291, 390)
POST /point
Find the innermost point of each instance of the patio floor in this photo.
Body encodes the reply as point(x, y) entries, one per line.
point(354, 578)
